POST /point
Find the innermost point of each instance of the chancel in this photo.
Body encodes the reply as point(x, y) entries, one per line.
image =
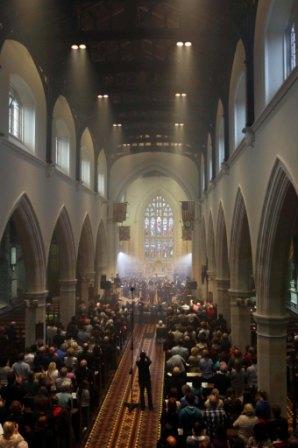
point(148, 223)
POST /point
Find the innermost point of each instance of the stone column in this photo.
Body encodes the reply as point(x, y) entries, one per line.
point(196, 272)
point(35, 313)
point(87, 278)
point(67, 300)
point(240, 318)
point(223, 298)
point(212, 285)
point(272, 353)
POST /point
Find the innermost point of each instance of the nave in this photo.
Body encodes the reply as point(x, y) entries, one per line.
point(117, 426)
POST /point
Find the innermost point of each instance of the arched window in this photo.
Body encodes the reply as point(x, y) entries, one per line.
point(101, 174)
point(159, 229)
point(291, 47)
point(203, 183)
point(220, 137)
point(15, 110)
point(237, 98)
point(209, 159)
point(87, 159)
point(21, 114)
point(85, 166)
point(240, 109)
point(63, 137)
point(278, 55)
point(62, 152)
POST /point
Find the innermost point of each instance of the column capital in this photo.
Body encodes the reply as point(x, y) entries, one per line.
point(240, 297)
point(68, 284)
point(271, 326)
point(211, 275)
point(88, 276)
point(35, 299)
point(222, 283)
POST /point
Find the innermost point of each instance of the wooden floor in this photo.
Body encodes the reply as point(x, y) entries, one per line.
point(115, 426)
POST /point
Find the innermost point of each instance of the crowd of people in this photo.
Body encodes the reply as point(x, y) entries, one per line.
point(210, 387)
point(48, 392)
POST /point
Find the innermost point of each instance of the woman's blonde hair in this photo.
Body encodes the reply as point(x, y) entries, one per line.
point(8, 429)
point(52, 366)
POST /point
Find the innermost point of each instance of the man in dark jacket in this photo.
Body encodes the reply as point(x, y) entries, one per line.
point(143, 364)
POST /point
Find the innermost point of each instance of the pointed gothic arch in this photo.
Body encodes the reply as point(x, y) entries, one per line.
point(85, 258)
point(279, 217)
point(241, 268)
point(29, 234)
point(211, 245)
point(222, 257)
point(63, 234)
point(101, 254)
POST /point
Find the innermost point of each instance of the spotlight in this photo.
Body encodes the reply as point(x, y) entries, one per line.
point(119, 125)
point(82, 47)
point(188, 44)
point(179, 125)
point(99, 97)
point(177, 95)
point(74, 47)
point(114, 125)
point(176, 125)
point(183, 95)
point(106, 96)
point(180, 44)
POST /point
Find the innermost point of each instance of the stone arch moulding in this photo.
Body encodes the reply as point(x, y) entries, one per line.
point(222, 256)
point(66, 241)
point(211, 245)
point(31, 241)
point(239, 220)
point(152, 167)
point(279, 185)
point(85, 254)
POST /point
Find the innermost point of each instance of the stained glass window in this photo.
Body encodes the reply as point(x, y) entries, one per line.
point(159, 229)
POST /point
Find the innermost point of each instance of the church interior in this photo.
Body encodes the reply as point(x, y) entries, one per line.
point(148, 223)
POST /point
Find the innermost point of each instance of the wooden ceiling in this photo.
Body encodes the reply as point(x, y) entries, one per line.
point(132, 48)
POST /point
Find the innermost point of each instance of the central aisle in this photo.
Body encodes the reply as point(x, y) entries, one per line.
point(114, 425)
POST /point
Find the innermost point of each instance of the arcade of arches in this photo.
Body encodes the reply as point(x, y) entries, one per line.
point(61, 172)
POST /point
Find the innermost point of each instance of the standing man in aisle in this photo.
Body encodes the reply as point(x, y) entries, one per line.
point(143, 364)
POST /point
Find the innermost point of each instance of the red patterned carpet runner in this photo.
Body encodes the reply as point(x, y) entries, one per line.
point(115, 426)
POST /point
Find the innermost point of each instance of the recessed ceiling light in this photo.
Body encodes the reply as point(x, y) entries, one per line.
point(74, 47)
point(82, 47)
point(114, 125)
point(184, 95)
point(180, 44)
point(188, 44)
point(106, 96)
point(119, 125)
point(177, 94)
point(99, 97)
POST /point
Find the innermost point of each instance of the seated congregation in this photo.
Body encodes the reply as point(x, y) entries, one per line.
point(48, 394)
point(210, 387)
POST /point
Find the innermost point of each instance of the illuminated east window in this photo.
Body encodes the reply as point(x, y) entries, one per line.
point(159, 229)
point(15, 115)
